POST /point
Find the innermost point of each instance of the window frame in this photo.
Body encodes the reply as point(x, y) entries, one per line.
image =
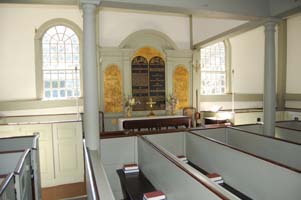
point(39, 33)
point(228, 71)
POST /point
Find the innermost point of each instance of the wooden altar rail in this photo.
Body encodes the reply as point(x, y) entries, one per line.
point(157, 123)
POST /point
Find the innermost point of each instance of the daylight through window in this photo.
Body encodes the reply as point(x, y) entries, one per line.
point(61, 63)
point(213, 69)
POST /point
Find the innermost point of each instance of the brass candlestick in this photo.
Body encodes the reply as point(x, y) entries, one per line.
point(151, 103)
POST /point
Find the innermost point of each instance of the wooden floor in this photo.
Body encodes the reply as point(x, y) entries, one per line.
point(64, 191)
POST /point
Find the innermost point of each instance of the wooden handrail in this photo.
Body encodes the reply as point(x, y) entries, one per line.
point(21, 161)
point(90, 172)
point(5, 182)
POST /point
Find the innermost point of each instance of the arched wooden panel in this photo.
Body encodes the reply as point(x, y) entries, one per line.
point(113, 101)
point(140, 87)
point(157, 82)
point(181, 86)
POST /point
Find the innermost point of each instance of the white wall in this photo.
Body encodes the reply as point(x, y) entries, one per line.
point(116, 25)
point(248, 61)
point(205, 28)
point(293, 55)
point(17, 54)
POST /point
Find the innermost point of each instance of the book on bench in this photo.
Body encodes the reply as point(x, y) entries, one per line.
point(183, 158)
point(216, 178)
point(155, 195)
point(130, 168)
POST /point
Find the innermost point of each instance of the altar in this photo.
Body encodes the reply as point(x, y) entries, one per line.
point(156, 122)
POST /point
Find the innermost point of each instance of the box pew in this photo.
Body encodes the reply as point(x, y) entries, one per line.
point(283, 152)
point(98, 187)
point(256, 177)
point(286, 130)
point(177, 180)
point(22, 143)
point(179, 148)
point(292, 124)
point(7, 187)
point(18, 162)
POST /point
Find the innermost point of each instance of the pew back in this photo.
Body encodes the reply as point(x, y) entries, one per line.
point(274, 149)
point(165, 175)
point(254, 177)
point(270, 148)
point(23, 177)
point(21, 143)
point(9, 161)
point(7, 188)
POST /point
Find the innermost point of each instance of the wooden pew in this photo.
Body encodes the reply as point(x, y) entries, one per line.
point(20, 143)
point(98, 187)
point(7, 187)
point(174, 178)
point(286, 130)
point(256, 177)
point(283, 152)
point(134, 185)
point(18, 162)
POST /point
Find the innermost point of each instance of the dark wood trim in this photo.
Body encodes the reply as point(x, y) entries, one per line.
point(288, 128)
point(245, 152)
point(172, 160)
point(21, 162)
point(5, 182)
point(13, 151)
point(16, 116)
point(3, 175)
point(15, 137)
point(37, 123)
point(119, 134)
point(89, 170)
point(267, 136)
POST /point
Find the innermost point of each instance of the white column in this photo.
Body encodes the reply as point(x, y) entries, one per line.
point(269, 79)
point(91, 121)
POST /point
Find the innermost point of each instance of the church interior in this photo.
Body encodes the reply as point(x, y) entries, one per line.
point(152, 100)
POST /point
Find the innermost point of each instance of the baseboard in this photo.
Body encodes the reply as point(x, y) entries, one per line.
point(64, 191)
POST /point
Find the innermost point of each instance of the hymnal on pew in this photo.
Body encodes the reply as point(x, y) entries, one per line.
point(183, 158)
point(216, 178)
point(156, 195)
point(130, 168)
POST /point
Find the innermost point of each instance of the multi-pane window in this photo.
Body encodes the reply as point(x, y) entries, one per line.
point(213, 69)
point(60, 63)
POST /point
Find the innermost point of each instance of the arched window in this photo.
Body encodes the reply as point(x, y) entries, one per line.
point(60, 63)
point(58, 60)
point(213, 69)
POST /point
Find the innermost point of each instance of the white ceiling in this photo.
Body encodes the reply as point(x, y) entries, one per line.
point(234, 9)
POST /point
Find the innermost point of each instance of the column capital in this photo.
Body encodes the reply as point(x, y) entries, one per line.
point(89, 2)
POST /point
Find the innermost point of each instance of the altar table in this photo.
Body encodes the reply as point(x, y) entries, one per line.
point(156, 122)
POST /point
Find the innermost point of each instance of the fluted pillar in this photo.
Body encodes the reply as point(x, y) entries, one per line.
point(91, 121)
point(269, 79)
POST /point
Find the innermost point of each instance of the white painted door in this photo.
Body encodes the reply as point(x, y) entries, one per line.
point(68, 152)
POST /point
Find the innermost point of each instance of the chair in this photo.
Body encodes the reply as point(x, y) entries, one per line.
point(193, 114)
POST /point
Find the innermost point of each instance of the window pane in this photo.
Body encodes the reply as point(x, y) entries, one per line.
point(213, 69)
point(47, 84)
point(54, 93)
point(60, 50)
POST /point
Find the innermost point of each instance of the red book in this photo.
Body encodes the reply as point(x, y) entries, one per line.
point(130, 166)
point(154, 195)
point(214, 177)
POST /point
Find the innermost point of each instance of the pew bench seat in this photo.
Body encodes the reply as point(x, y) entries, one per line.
point(224, 185)
point(134, 185)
